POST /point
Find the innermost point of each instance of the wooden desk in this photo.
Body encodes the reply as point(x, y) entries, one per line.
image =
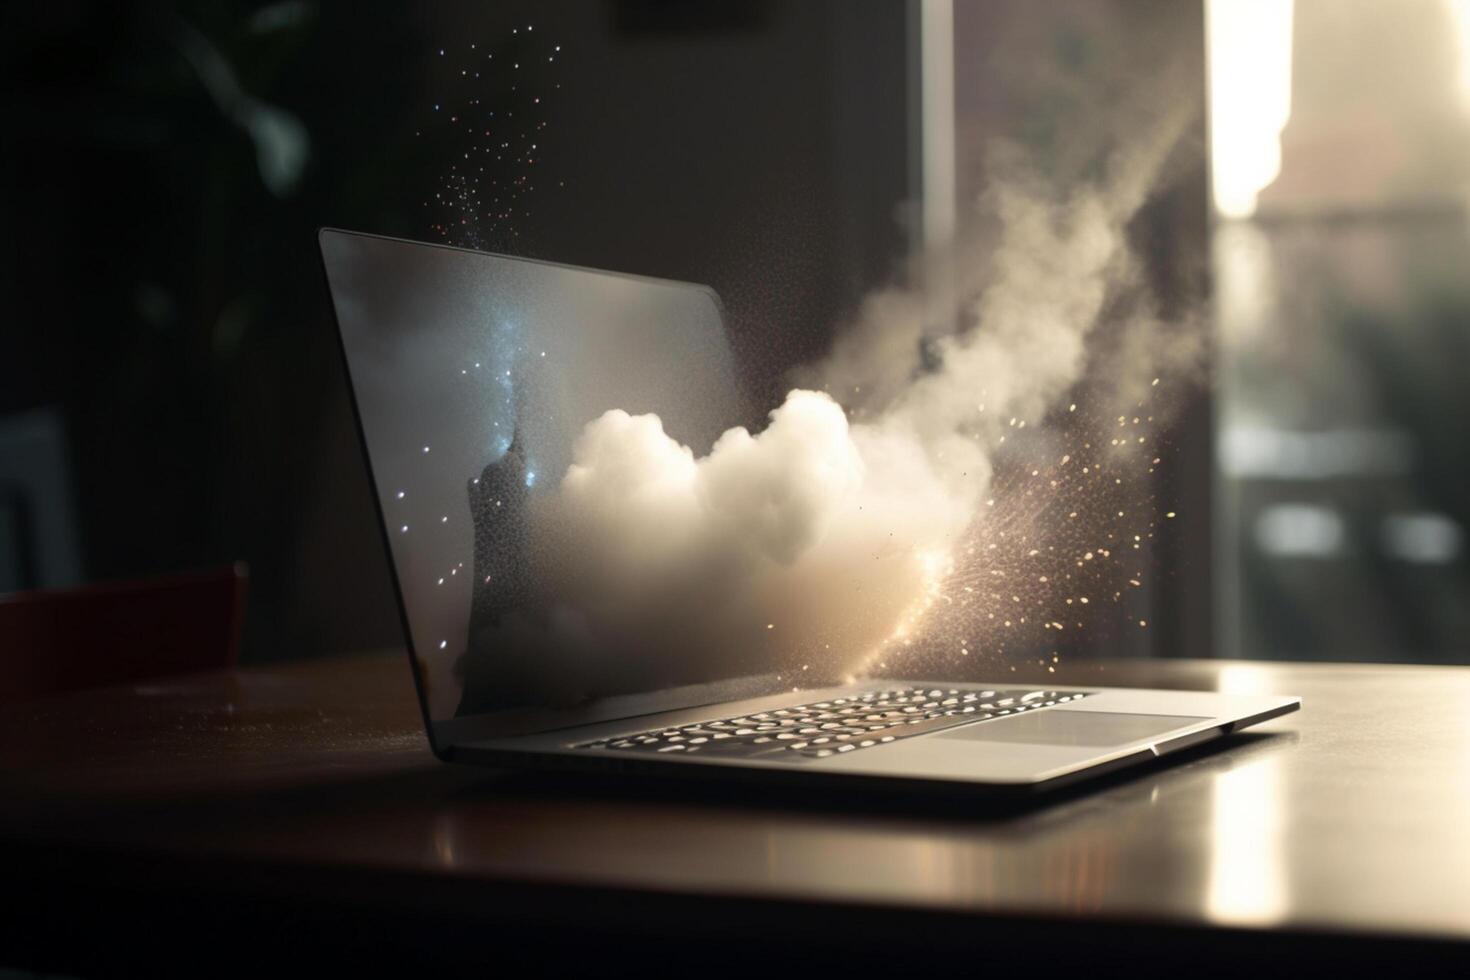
point(259, 816)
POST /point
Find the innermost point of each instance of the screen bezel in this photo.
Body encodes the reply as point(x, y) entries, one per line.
point(446, 733)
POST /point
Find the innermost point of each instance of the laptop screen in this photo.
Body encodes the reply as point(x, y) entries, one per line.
point(486, 387)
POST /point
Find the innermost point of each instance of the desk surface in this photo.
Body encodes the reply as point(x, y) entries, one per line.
point(1349, 818)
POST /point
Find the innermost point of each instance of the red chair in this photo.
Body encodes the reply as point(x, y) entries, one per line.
point(119, 632)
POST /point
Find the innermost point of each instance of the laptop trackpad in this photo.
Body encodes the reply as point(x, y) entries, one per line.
point(1058, 726)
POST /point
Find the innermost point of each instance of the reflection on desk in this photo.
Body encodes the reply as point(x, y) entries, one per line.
point(302, 784)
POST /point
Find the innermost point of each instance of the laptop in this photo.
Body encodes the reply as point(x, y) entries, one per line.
point(526, 426)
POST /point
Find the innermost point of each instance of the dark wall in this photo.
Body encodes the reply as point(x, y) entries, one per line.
point(160, 285)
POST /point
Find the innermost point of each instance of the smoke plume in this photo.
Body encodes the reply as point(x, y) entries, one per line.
point(808, 546)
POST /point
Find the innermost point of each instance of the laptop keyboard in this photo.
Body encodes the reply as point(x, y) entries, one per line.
point(826, 728)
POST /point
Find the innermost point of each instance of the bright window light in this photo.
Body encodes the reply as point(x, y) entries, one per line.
point(1460, 18)
point(1249, 51)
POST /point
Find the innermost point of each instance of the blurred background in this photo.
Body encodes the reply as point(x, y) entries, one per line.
point(170, 390)
point(1341, 173)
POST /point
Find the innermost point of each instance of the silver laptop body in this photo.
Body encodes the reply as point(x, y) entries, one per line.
point(474, 380)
